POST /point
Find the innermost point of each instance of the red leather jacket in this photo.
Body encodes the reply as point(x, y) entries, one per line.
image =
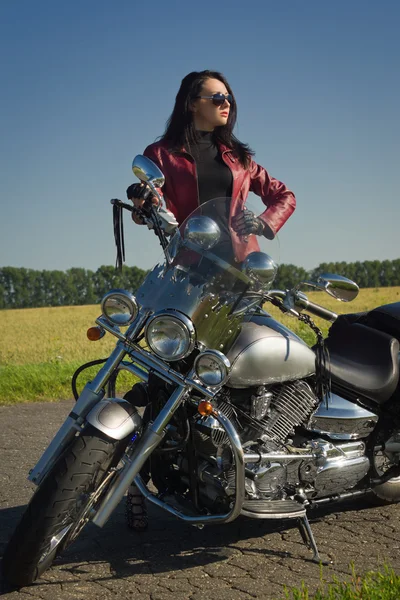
point(181, 191)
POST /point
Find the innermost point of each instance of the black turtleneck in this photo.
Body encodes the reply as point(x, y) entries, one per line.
point(213, 175)
point(215, 181)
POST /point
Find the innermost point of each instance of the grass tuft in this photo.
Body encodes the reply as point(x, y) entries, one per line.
point(374, 585)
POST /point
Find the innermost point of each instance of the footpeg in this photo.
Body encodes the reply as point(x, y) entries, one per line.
point(273, 509)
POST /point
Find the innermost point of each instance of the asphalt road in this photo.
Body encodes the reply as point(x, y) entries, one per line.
point(173, 561)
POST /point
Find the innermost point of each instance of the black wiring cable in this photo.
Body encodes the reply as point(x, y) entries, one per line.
point(92, 363)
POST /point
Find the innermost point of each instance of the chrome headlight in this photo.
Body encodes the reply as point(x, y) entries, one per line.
point(119, 307)
point(171, 335)
point(212, 367)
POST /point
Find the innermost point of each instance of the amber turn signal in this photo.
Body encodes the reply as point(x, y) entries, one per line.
point(95, 333)
point(205, 408)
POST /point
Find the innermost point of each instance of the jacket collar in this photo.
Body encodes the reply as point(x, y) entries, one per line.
point(222, 148)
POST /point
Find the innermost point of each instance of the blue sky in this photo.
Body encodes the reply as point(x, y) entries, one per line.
point(85, 86)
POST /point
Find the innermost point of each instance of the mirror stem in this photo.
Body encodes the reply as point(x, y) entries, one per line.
point(155, 192)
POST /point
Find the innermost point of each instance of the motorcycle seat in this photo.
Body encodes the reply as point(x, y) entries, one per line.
point(363, 362)
point(385, 318)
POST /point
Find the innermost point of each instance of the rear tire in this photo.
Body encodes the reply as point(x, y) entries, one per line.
point(60, 508)
point(389, 491)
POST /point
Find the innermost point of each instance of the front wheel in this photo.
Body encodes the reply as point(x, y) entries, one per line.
point(61, 506)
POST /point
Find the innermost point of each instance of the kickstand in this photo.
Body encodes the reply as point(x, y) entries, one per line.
point(308, 539)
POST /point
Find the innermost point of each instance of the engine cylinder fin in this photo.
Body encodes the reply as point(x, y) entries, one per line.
point(291, 405)
point(220, 437)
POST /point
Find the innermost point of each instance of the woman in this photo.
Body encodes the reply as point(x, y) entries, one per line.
point(201, 159)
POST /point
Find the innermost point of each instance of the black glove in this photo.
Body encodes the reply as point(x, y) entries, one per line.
point(139, 190)
point(246, 223)
point(142, 192)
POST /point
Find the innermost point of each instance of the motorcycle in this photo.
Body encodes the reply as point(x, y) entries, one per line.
point(241, 417)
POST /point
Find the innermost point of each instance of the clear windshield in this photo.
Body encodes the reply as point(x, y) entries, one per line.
point(208, 248)
point(213, 276)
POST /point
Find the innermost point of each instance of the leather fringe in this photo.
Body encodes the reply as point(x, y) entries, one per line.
point(118, 222)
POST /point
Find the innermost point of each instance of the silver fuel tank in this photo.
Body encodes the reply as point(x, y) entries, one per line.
point(267, 352)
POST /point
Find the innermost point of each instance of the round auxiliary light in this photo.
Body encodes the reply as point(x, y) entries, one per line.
point(202, 231)
point(212, 368)
point(260, 267)
point(119, 307)
point(170, 335)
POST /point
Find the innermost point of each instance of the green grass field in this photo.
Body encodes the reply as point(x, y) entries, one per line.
point(40, 348)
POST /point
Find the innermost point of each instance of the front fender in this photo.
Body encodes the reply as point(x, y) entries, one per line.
point(115, 417)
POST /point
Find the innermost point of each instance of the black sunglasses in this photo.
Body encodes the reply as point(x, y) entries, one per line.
point(218, 99)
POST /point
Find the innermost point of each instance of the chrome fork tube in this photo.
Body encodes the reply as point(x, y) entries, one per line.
point(96, 386)
point(151, 438)
point(93, 391)
point(91, 394)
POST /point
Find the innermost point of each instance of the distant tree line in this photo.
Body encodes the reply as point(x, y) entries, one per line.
point(367, 274)
point(28, 288)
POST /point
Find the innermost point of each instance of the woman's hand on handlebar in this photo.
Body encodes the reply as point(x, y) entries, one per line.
point(141, 196)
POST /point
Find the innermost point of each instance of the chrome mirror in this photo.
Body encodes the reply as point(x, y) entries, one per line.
point(260, 266)
point(147, 171)
point(202, 231)
point(338, 287)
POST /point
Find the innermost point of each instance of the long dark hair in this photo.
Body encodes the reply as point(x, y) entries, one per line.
point(180, 130)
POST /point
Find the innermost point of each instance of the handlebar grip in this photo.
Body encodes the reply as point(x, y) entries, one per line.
point(117, 202)
point(146, 208)
point(318, 311)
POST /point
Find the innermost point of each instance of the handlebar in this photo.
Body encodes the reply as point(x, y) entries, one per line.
point(301, 302)
point(161, 220)
point(117, 202)
point(142, 212)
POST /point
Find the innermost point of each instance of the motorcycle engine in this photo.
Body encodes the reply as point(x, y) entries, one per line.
point(265, 419)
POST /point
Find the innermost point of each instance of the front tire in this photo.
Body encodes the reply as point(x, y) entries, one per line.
point(61, 506)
